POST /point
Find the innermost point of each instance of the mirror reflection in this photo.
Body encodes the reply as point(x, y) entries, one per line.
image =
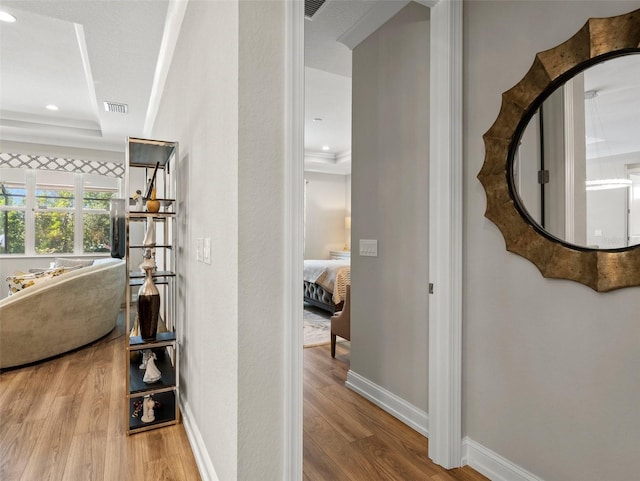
point(577, 169)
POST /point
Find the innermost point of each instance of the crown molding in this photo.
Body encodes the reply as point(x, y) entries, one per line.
point(376, 16)
point(328, 163)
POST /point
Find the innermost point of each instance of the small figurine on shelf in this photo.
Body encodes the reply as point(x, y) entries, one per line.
point(148, 415)
point(146, 354)
point(152, 374)
point(137, 197)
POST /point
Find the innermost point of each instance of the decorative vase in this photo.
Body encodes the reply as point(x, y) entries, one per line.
point(148, 305)
point(153, 205)
point(150, 235)
point(117, 228)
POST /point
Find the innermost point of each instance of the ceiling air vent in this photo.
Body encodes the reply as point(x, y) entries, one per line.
point(115, 107)
point(311, 7)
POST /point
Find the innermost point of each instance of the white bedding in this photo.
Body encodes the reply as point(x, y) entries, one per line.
point(333, 275)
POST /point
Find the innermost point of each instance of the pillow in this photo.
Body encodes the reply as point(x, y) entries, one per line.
point(20, 281)
point(34, 270)
point(65, 262)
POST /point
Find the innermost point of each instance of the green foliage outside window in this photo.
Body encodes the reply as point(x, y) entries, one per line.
point(12, 221)
point(54, 217)
point(96, 233)
point(98, 200)
point(13, 196)
point(12, 232)
point(95, 236)
point(54, 232)
point(58, 199)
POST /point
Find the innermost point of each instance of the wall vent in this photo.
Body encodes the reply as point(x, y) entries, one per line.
point(311, 7)
point(116, 107)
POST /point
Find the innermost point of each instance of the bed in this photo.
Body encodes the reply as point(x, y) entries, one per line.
point(325, 283)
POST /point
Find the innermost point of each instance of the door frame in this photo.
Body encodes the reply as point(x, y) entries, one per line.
point(445, 235)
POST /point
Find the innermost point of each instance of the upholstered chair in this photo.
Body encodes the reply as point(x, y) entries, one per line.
point(341, 322)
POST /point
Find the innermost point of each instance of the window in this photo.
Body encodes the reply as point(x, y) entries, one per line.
point(12, 211)
point(46, 212)
point(54, 212)
point(95, 212)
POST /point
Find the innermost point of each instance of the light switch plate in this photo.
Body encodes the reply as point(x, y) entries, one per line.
point(199, 249)
point(369, 247)
point(207, 250)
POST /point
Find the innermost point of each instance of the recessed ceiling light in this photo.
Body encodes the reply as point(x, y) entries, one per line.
point(52, 107)
point(325, 147)
point(7, 17)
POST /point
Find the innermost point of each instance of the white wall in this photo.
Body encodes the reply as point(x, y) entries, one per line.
point(261, 256)
point(390, 155)
point(550, 367)
point(223, 102)
point(325, 210)
point(607, 209)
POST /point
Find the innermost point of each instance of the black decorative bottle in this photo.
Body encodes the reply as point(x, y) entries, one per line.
point(148, 303)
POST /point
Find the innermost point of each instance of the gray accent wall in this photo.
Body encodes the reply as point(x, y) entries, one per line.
point(389, 202)
point(550, 367)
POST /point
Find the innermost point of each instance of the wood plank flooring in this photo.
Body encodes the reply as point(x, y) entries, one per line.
point(62, 420)
point(348, 438)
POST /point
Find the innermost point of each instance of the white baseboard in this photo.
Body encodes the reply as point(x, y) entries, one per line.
point(480, 458)
point(491, 464)
point(205, 466)
point(413, 417)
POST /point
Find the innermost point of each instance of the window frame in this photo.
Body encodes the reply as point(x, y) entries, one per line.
point(78, 211)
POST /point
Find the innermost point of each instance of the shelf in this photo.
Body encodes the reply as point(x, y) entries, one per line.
point(140, 274)
point(157, 282)
point(157, 216)
point(156, 246)
point(163, 363)
point(147, 153)
point(162, 339)
point(166, 414)
point(147, 162)
point(163, 203)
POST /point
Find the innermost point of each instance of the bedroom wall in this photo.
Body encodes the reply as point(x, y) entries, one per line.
point(390, 147)
point(226, 110)
point(325, 210)
point(550, 367)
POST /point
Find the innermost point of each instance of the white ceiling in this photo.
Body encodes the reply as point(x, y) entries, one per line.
point(613, 115)
point(337, 27)
point(77, 55)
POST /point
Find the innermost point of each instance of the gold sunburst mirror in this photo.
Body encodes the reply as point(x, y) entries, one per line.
point(564, 87)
